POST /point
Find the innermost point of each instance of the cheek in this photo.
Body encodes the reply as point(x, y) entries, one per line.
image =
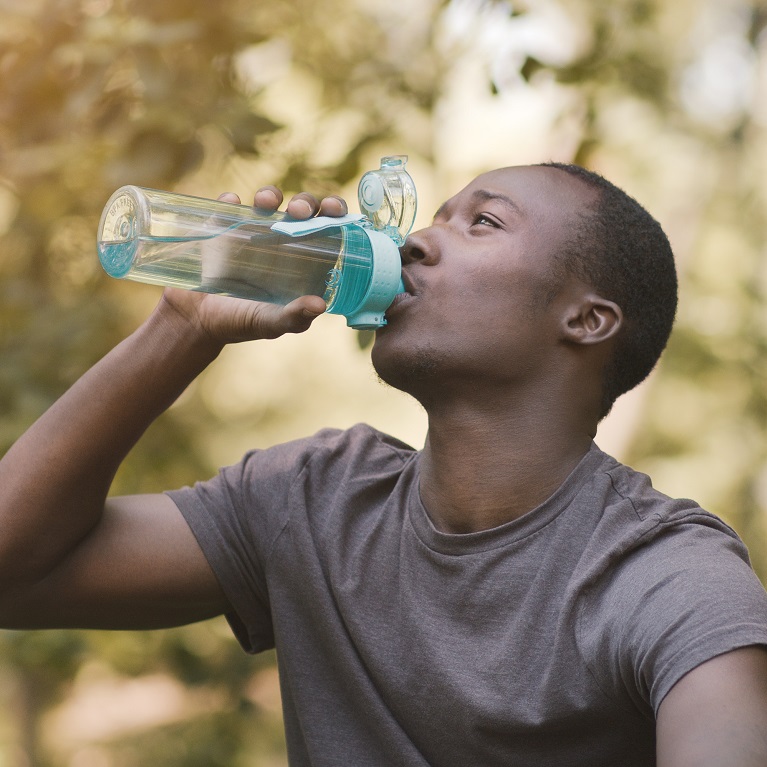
point(512, 295)
point(489, 299)
point(500, 317)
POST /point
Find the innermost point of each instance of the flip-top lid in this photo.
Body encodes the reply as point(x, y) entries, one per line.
point(387, 198)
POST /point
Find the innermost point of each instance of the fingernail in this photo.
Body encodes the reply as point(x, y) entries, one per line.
point(308, 208)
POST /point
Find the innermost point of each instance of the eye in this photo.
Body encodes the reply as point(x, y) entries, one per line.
point(483, 219)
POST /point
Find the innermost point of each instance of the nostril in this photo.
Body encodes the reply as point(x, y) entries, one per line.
point(412, 250)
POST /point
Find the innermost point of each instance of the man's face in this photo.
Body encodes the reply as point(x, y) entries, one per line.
point(482, 300)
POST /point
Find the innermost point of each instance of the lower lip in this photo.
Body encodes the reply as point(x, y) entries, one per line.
point(399, 299)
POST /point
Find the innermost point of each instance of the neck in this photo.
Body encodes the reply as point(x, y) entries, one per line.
point(484, 467)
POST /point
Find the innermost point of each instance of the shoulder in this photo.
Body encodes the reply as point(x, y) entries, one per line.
point(360, 444)
point(637, 520)
point(327, 458)
point(628, 530)
point(645, 538)
point(362, 438)
point(667, 586)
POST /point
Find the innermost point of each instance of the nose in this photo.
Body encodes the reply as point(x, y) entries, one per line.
point(419, 247)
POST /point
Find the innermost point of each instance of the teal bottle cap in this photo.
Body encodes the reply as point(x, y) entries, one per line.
point(385, 284)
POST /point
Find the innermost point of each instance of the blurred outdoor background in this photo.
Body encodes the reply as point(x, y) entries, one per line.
point(667, 98)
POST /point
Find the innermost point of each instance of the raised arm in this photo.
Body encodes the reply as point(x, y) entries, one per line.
point(69, 557)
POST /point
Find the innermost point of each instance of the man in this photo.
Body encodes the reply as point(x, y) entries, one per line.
point(508, 596)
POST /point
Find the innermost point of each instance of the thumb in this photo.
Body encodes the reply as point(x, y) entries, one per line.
point(302, 312)
point(272, 321)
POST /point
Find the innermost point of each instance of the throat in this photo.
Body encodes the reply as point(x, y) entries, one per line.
point(469, 491)
point(474, 510)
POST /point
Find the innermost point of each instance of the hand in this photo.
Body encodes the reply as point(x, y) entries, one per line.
point(301, 206)
point(226, 320)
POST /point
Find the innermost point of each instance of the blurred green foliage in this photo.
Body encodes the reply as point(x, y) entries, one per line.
point(99, 93)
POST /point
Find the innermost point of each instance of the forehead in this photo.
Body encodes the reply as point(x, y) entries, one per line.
point(539, 192)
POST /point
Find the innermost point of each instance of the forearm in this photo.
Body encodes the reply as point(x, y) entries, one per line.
point(55, 479)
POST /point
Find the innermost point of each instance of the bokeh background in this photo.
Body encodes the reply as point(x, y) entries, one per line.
point(667, 99)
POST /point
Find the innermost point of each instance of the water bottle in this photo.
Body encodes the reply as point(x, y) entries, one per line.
point(352, 262)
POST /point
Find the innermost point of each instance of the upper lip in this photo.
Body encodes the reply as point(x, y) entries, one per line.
point(408, 283)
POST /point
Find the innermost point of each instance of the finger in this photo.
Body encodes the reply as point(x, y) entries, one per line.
point(333, 206)
point(303, 205)
point(229, 197)
point(268, 197)
point(273, 321)
point(306, 308)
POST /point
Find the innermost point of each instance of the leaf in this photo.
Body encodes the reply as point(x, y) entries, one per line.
point(244, 130)
point(530, 68)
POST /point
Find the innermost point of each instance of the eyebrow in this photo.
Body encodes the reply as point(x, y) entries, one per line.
point(484, 195)
point(441, 209)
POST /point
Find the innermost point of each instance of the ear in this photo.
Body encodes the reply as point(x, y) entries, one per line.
point(592, 320)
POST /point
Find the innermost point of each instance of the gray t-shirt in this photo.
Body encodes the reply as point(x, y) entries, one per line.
point(550, 640)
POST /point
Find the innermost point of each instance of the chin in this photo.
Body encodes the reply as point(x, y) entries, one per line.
point(413, 371)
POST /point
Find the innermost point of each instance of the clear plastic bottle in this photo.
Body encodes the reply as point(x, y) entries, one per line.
point(352, 262)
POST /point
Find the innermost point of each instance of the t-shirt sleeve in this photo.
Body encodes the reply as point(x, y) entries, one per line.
point(675, 602)
point(236, 517)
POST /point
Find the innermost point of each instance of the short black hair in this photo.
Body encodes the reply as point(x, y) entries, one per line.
point(623, 253)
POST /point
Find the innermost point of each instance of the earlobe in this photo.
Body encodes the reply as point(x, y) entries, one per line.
point(593, 320)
